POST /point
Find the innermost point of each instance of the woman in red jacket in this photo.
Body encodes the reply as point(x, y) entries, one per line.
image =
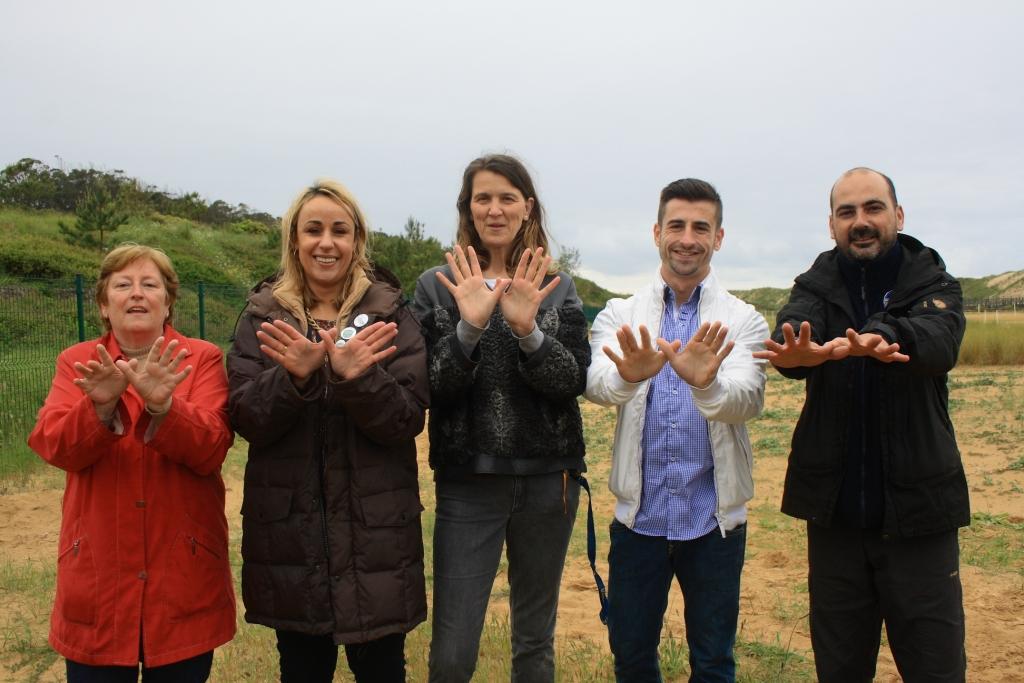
point(138, 421)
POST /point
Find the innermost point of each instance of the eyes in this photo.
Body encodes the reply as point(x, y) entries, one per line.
point(317, 229)
point(871, 208)
point(680, 226)
point(505, 198)
point(146, 284)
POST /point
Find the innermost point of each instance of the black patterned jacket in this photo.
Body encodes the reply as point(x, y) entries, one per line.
point(500, 411)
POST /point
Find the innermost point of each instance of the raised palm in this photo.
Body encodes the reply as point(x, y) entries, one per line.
point(524, 294)
point(102, 380)
point(639, 361)
point(358, 354)
point(476, 301)
point(156, 379)
point(698, 362)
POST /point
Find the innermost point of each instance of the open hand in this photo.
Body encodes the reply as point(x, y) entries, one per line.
point(796, 351)
point(638, 361)
point(358, 354)
point(870, 345)
point(476, 301)
point(284, 344)
point(102, 381)
point(698, 362)
point(524, 294)
point(156, 378)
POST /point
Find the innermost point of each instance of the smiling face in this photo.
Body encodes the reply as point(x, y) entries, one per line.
point(136, 303)
point(687, 237)
point(865, 219)
point(498, 211)
point(324, 241)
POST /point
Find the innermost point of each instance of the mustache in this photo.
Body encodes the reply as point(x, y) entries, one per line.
point(857, 234)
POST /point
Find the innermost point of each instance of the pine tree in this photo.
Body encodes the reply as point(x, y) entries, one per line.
point(98, 212)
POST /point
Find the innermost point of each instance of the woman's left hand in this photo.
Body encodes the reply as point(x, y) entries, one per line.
point(358, 354)
point(524, 294)
point(156, 379)
point(283, 343)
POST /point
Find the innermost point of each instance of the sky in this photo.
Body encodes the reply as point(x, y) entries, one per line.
point(605, 103)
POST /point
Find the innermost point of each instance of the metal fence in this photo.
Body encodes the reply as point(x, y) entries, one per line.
point(40, 318)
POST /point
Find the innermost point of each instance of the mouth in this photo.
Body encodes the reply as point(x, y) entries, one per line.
point(863, 238)
point(326, 260)
point(137, 309)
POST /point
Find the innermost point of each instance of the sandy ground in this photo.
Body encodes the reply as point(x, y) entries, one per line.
point(990, 424)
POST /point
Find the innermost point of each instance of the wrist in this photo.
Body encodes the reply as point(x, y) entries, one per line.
point(158, 409)
point(522, 331)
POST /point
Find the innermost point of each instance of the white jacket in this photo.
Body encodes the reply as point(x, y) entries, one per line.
point(735, 396)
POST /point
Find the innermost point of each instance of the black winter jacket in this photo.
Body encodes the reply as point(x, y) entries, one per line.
point(331, 537)
point(925, 489)
point(499, 411)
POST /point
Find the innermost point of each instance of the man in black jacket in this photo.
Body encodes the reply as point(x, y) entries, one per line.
point(874, 466)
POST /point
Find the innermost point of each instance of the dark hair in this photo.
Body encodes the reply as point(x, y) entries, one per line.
point(530, 236)
point(691, 190)
point(862, 169)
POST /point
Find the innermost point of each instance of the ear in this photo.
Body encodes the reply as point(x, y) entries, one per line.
point(719, 235)
point(899, 218)
point(657, 235)
point(529, 209)
point(831, 229)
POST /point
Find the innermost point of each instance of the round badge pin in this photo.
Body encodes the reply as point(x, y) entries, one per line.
point(345, 335)
point(361, 320)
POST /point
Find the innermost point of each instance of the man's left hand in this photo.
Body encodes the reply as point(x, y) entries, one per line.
point(870, 345)
point(698, 362)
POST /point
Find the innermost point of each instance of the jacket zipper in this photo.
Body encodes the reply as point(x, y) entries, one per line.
point(863, 409)
point(321, 470)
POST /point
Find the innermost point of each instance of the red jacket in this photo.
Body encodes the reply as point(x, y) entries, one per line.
point(143, 540)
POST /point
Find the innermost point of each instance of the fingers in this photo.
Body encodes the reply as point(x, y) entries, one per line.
point(474, 262)
point(381, 355)
point(788, 338)
point(378, 334)
point(612, 355)
point(726, 350)
point(805, 334)
point(645, 337)
point(448, 284)
point(523, 267)
point(550, 287)
point(454, 266)
point(627, 342)
point(104, 355)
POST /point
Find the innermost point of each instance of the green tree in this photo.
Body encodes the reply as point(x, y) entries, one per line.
point(98, 213)
point(569, 260)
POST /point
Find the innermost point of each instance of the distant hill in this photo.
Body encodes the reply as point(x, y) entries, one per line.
point(1008, 285)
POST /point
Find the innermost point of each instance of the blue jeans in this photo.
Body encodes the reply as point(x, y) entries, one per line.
point(640, 576)
point(532, 517)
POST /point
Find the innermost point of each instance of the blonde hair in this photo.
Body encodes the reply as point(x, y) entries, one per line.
point(291, 288)
point(128, 253)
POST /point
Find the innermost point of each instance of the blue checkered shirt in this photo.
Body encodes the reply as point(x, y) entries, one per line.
point(678, 500)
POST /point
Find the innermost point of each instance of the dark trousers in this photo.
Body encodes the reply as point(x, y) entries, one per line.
point(641, 569)
point(193, 670)
point(858, 580)
point(312, 659)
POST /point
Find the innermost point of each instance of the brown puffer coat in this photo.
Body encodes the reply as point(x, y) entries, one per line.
point(331, 537)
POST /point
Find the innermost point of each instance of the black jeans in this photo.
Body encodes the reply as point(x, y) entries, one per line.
point(306, 658)
point(193, 670)
point(858, 579)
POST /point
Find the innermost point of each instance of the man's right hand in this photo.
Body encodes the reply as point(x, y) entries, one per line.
point(796, 351)
point(638, 361)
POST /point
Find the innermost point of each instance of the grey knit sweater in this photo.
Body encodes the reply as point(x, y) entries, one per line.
point(499, 410)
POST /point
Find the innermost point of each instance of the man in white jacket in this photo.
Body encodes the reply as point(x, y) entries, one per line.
point(682, 461)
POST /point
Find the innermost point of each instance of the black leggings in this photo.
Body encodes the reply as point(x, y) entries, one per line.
point(313, 658)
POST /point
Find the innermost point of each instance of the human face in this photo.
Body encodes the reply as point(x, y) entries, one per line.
point(136, 304)
point(864, 220)
point(687, 237)
point(325, 240)
point(499, 210)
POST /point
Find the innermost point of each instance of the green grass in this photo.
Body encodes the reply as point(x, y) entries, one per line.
point(991, 343)
point(993, 542)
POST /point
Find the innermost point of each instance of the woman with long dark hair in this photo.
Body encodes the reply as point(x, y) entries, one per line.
point(507, 355)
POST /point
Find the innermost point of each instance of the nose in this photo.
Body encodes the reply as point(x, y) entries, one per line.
point(325, 240)
point(136, 292)
point(493, 209)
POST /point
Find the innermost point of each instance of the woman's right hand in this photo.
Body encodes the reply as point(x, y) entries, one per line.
point(476, 301)
point(283, 343)
point(370, 346)
point(101, 380)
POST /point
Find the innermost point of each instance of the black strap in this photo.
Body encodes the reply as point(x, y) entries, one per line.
point(602, 594)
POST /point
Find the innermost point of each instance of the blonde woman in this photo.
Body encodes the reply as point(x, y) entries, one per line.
point(328, 385)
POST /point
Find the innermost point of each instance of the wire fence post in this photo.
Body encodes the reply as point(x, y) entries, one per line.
point(80, 305)
point(202, 310)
